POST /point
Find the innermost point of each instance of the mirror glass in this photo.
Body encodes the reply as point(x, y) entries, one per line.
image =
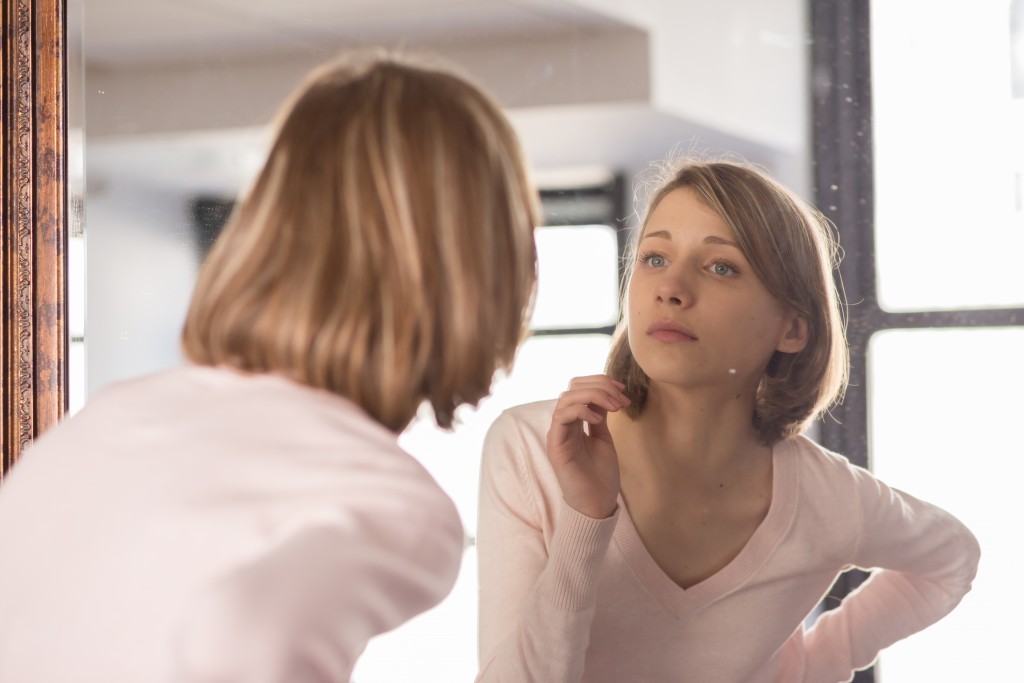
point(176, 99)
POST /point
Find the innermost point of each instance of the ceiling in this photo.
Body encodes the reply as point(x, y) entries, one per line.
point(576, 76)
point(120, 32)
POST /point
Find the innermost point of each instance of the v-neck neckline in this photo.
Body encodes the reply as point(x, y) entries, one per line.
point(682, 601)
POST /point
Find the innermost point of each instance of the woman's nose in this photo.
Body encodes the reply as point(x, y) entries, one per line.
point(675, 290)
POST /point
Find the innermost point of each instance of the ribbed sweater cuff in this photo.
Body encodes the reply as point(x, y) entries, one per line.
point(578, 547)
point(828, 658)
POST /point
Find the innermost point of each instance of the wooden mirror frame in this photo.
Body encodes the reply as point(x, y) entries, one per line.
point(33, 222)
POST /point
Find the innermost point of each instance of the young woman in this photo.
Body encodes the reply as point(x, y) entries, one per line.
point(249, 517)
point(668, 521)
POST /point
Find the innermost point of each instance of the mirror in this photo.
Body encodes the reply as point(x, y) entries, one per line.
point(167, 107)
point(177, 98)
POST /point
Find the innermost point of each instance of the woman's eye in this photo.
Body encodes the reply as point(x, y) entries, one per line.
point(723, 269)
point(654, 260)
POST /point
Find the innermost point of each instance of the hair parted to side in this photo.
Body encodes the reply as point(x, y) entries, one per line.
point(792, 249)
point(385, 251)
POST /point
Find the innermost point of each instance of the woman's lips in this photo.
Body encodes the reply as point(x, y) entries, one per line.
point(670, 331)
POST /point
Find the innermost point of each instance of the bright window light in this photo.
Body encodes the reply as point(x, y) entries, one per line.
point(578, 277)
point(945, 426)
point(949, 155)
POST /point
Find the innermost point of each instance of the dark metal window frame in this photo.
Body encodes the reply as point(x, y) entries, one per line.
point(613, 195)
point(843, 165)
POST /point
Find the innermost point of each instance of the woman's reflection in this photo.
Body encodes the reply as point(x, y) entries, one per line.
point(667, 520)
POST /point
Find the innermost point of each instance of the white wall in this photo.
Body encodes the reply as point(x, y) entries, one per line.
point(736, 65)
point(140, 265)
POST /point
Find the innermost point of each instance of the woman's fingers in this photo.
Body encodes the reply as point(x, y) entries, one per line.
point(596, 381)
point(588, 399)
point(569, 412)
point(599, 430)
point(597, 396)
point(576, 412)
point(580, 447)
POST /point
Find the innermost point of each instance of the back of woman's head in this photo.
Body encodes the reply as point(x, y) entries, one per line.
point(385, 251)
point(791, 248)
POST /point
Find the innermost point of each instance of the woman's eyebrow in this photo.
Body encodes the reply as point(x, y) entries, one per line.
point(710, 239)
point(714, 239)
point(663, 234)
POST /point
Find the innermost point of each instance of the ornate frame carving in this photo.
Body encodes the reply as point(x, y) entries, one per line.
point(33, 222)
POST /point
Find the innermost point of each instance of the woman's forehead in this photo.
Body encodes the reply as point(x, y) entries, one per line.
point(682, 209)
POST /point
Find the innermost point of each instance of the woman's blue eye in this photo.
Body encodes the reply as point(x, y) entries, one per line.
point(722, 268)
point(655, 260)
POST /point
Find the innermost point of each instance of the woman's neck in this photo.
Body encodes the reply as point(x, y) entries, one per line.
point(688, 436)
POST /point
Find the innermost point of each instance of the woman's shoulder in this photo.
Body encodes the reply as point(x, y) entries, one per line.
point(522, 429)
point(515, 470)
point(828, 505)
point(267, 425)
point(824, 474)
point(817, 458)
point(533, 416)
point(517, 440)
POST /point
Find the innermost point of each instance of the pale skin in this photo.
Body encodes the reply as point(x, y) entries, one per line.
point(695, 476)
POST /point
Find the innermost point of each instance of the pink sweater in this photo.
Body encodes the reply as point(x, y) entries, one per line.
point(202, 525)
point(568, 598)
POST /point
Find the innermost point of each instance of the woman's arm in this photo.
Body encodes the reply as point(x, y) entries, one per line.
point(925, 561)
point(537, 600)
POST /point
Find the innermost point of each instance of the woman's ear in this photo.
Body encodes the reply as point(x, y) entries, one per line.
point(796, 336)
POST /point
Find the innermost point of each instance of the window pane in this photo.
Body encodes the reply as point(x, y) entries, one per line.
point(578, 277)
point(443, 641)
point(945, 412)
point(949, 154)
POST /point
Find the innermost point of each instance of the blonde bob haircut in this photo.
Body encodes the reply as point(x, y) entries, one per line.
point(791, 248)
point(385, 251)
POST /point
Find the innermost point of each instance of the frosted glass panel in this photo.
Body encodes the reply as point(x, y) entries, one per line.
point(578, 277)
point(949, 154)
point(443, 641)
point(945, 416)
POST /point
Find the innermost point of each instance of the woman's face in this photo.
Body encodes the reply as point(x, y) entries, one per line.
point(698, 315)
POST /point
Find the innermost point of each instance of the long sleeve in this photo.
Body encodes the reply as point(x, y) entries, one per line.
point(924, 561)
point(303, 612)
point(537, 597)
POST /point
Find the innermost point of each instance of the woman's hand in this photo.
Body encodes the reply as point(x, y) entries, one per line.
point(584, 459)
